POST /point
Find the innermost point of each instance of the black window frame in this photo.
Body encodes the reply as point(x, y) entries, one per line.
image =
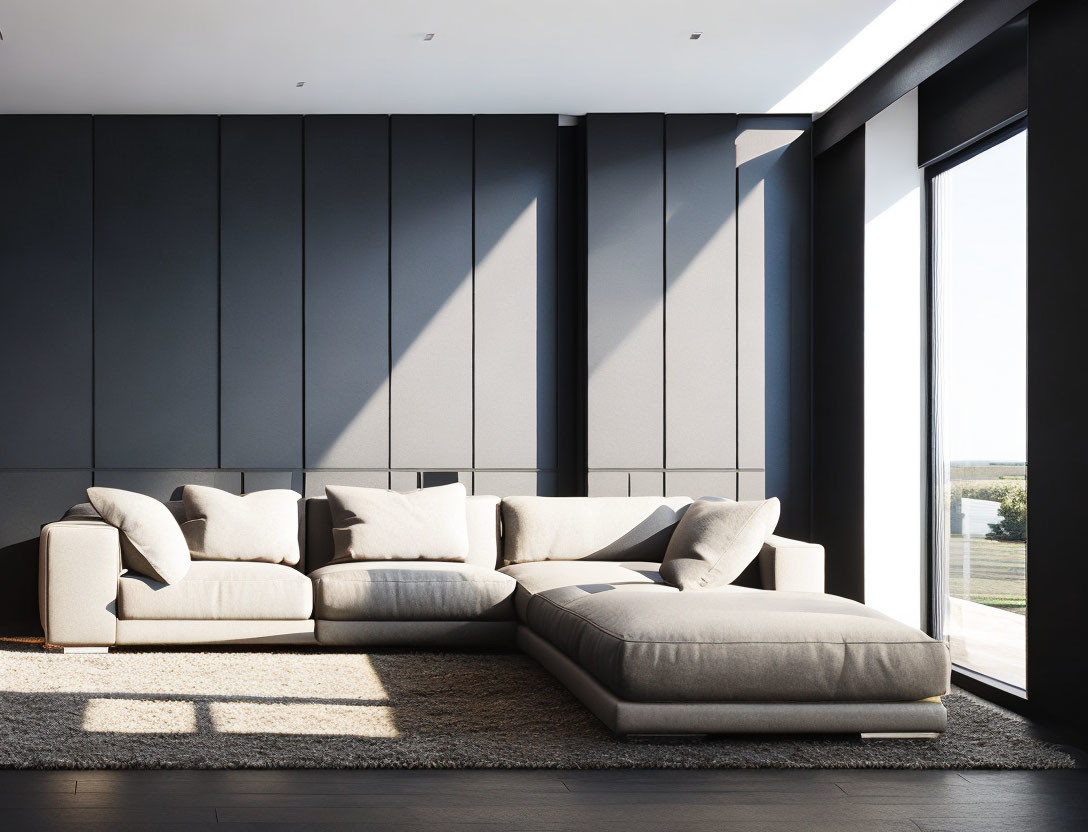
point(993, 689)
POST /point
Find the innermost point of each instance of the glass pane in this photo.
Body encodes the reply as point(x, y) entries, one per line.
point(980, 391)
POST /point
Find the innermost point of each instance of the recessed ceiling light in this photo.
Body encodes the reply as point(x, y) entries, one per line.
point(429, 36)
point(300, 83)
point(695, 35)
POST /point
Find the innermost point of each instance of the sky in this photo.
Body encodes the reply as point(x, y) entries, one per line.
point(981, 243)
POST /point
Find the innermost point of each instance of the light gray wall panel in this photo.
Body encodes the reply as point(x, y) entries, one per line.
point(647, 484)
point(697, 484)
point(156, 287)
point(751, 486)
point(166, 485)
point(773, 264)
point(625, 342)
point(265, 480)
point(404, 480)
point(317, 480)
point(515, 292)
point(701, 292)
point(347, 291)
point(30, 500)
point(750, 315)
point(260, 291)
point(45, 311)
point(609, 484)
point(431, 267)
point(516, 483)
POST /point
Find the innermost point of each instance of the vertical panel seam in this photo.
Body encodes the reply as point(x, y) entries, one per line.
point(664, 293)
point(555, 305)
point(736, 310)
point(389, 296)
point(472, 399)
point(302, 278)
point(94, 358)
point(219, 292)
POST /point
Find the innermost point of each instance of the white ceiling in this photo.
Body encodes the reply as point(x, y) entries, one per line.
point(368, 56)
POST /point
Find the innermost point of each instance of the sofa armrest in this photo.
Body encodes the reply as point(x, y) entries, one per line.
point(79, 562)
point(791, 565)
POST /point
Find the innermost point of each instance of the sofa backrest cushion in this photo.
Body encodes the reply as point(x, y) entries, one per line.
point(259, 526)
point(589, 528)
point(481, 514)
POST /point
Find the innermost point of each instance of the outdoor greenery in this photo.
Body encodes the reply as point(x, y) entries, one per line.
point(1013, 525)
point(1013, 499)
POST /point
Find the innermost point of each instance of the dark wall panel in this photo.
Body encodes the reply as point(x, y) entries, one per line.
point(1057, 400)
point(156, 291)
point(838, 404)
point(347, 291)
point(515, 292)
point(260, 331)
point(431, 292)
point(45, 313)
point(167, 485)
point(701, 291)
point(787, 340)
point(625, 341)
point(30, 500)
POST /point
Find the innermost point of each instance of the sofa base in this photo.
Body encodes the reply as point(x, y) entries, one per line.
point(417, 633)
point(626, 717)
point(143, 631)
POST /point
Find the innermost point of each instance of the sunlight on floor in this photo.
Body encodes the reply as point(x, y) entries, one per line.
point(139, 716)
point(303, 718)
point(989, 640)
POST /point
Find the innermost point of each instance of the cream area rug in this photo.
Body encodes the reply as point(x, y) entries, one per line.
point(317, 708)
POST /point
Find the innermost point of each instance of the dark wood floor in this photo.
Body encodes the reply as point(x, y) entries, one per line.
point(550, 801)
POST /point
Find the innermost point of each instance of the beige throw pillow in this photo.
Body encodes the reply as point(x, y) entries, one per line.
point(374, 524)
point(262, 526)
point(151, 539)
point(716, 540)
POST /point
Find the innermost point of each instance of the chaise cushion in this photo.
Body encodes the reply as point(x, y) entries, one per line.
point(540, 576)
point(411, 591)
point(589, 528)
point(218, 590)
point(653, 643)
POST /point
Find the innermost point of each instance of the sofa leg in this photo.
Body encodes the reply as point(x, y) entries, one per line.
point(54, 648)
point(901, 735)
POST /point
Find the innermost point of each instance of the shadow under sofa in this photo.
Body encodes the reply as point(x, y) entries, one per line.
point(772, 653)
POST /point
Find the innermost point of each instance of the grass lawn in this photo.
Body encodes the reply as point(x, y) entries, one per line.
point(998, 572)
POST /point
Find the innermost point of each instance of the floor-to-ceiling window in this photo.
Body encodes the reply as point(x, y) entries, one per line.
point(978, 215)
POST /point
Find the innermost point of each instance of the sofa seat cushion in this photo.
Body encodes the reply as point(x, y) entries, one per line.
point(540, 576)
point(653, 643)
point(411, 591)
point(219, 590)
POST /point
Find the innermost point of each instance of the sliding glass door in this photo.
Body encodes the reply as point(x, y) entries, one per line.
point(978, 215)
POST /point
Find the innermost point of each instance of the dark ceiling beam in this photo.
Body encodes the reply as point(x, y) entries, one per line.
point(959, 30)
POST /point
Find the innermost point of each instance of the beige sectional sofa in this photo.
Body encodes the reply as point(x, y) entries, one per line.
point(574, 582)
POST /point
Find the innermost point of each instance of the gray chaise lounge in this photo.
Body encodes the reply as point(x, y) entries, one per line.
point(581, 592)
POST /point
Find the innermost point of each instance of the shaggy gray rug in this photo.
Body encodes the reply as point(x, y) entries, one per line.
point(277, 708)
